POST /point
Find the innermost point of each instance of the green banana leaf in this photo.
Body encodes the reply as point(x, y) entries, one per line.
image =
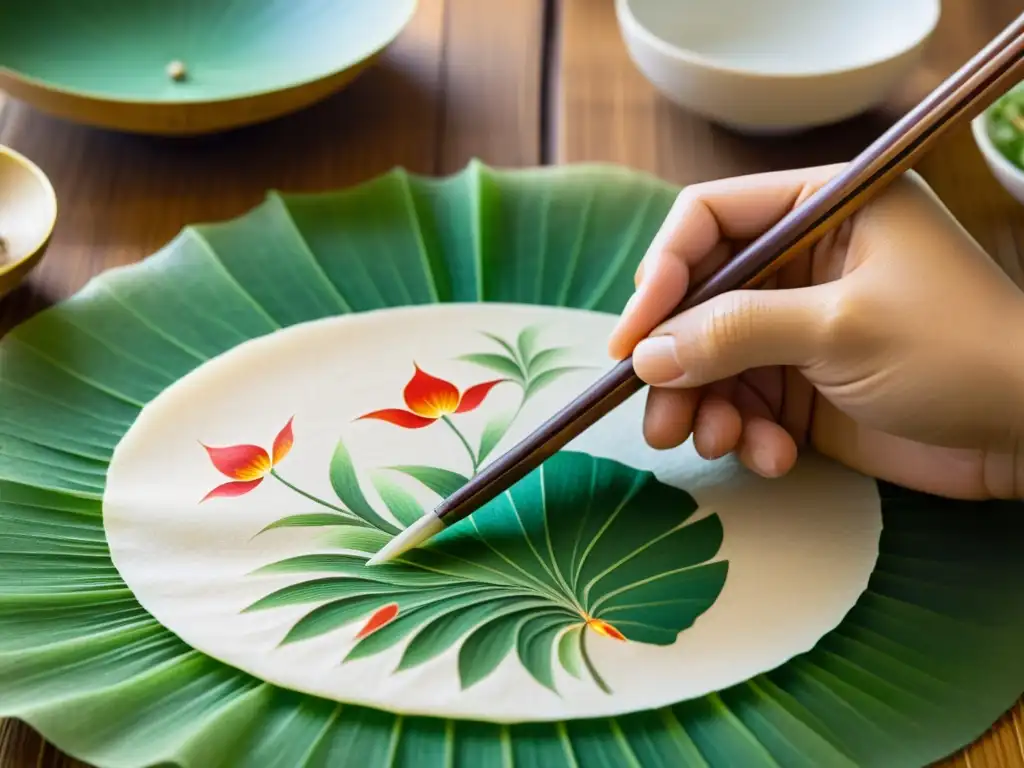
point(925, 661)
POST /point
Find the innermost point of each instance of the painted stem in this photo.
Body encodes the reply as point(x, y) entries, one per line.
point(341, 510)
point(464, 441)
point(508, 426)
point(590, 665)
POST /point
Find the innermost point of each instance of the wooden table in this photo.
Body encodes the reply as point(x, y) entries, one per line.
point(512, 82)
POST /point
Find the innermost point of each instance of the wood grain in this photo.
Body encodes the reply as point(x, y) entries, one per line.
point(461, 82)
point(604, 110)
point(492, 83)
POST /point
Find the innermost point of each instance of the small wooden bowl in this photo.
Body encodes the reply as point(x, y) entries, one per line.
point(28, 212)
point(187, 67)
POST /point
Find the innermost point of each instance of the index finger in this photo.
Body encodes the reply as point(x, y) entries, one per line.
point(703, 215)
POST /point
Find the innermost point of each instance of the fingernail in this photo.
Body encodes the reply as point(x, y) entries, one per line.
point(766, 461)
point(654, 360)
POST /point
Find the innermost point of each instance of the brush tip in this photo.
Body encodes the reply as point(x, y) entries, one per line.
point(417, 533)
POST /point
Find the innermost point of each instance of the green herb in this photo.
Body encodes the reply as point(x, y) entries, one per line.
point(1006, 125)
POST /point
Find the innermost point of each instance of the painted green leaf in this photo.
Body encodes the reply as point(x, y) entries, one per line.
point(406, 623)
point(535, 643)
point(346, 486)
point(631, 568)
point(338, 613)
point(569, 651)
point(441, 633)
point(512, 352)
point(506, 366)
point(443, 482)
point(312, 520)
point(926, 660)
point(547, 359)
point(400, 503)
point(357, 538)
point(526, 344)
point(318, 590)
point(488, 645)
point(355, 565)
point(549, 377)
point(493, 431)
point(326, 563)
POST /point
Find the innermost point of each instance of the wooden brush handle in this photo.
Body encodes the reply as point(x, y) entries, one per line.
point(964, 95)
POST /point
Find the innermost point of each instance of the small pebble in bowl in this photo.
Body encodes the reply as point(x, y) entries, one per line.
point(176, 71)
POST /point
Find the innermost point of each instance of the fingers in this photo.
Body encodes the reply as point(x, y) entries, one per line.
point(665, 280)
point(717, 428)
point(728, 418)
point(668, 418)
point(704, 215)
point(708, 414)
point(766, 448)
point(735, 332)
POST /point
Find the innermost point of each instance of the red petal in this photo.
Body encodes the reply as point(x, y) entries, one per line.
point(606, 629)
point(229, 490)
point(400, 418)
point(283, 442)
point(474, 396)
point(430, 396)
point(379, 619)
point(240, 462)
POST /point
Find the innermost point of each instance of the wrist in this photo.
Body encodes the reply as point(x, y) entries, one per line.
point(1015, 354)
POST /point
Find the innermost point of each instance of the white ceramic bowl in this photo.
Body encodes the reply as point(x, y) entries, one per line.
point(776, 66)
point(1006, 173)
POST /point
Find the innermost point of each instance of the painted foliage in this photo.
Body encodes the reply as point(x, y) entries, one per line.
point(582, 548)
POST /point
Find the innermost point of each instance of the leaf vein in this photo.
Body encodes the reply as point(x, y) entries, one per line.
point(304, 243)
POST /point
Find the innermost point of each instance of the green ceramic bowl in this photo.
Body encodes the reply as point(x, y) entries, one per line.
point(179, 67)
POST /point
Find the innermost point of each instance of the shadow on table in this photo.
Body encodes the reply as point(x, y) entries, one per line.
point(19, 305)
point(835, 143)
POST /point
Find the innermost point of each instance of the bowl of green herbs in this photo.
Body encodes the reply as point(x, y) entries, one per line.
point(999, 134)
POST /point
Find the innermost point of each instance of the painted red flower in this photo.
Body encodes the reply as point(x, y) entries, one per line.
point(604, 628)
point(380, 617)
point(430, 398)
point(248, 465)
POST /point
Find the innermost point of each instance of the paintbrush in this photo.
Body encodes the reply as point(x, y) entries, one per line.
point(961, 97)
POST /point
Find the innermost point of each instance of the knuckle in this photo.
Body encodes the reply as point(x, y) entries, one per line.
point(845, 322)
point(728, 323)
point(914, 177)
point(690, 196)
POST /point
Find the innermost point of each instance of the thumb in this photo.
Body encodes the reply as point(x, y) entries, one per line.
point(734, 332)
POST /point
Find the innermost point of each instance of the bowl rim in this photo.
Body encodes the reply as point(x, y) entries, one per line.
point(989, 150)
point(628, 21)
point(44, 181)
point(241, 95)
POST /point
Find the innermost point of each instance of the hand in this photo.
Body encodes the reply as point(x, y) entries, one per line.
point(895, 346)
